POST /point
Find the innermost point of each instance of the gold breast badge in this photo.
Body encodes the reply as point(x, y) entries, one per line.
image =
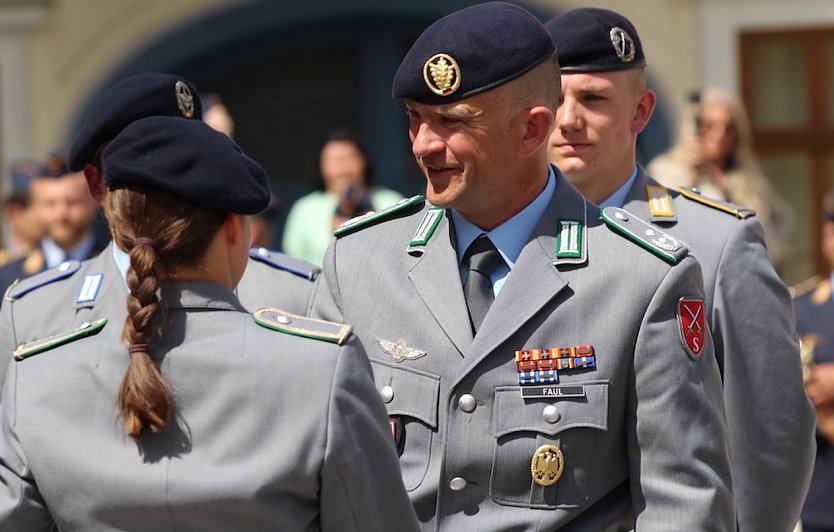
point(547, 465)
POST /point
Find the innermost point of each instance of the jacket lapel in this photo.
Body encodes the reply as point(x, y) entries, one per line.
point(535, 279)
point(436, 279)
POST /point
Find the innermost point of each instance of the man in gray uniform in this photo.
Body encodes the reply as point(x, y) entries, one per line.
point(77, 292)
point(604, 106)
point(586, 395)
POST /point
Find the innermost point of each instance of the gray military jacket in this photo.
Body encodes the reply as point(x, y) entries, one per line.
point(63, 298)
point(272, 432)
point(751, 317)
point(642, 435)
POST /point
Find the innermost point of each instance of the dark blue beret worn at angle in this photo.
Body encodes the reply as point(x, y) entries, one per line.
point(22, 173)
point(471, 51)
point(590, 39)
point(187, 159)
point(140, 96)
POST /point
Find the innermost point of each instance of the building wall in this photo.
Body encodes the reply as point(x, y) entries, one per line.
point(78, 43)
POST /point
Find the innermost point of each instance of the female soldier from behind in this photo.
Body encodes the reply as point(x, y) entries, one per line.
point(191, 415)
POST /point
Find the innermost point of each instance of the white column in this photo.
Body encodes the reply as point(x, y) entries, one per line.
point(15, 132)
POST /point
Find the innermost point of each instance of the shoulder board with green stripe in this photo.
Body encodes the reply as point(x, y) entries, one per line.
point(647, 236)
point(285, 322)
point(695, 195)
point(22, 287)
point(28, 349)
point(373, 218)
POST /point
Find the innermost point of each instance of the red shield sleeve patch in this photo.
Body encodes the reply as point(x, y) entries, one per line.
point(692, 325)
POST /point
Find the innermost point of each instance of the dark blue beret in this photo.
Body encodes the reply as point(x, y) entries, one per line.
point(140, 96)
point(590, 39)
point(22, 172)
point(187, 159)
point(471, 51)
point(55, 166)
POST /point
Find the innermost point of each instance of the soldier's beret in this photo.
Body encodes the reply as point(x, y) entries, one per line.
point(590, 39)
point(21, 173)
point(187, 159)
point(471, 51)
point(140, 96)
point(54, 166)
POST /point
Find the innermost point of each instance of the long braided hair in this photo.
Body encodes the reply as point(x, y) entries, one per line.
point(161, 233)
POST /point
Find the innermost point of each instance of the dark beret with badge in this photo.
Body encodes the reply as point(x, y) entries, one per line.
point(188, 159)
point(140, 96)
point(591, 39)
point(471, 51)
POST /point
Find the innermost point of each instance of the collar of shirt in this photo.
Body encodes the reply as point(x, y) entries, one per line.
point(617, 199)
point(509, 238)
point(122, 261)
point(54, 255)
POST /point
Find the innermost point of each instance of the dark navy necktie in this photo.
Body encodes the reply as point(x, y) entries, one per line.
point(481, 258)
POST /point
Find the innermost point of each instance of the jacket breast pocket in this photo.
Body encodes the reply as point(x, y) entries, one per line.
point(523, 426)
point(411, 398)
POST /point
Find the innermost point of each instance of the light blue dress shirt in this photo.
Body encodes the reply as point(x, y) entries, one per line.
point(618, 198)
point(53, 254)
point(122, 261)
point(509, 238)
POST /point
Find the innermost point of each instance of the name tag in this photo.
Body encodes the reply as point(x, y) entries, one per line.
point(539, 392)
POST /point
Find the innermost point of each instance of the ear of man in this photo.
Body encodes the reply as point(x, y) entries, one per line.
point(539, 125)
point(94, 182)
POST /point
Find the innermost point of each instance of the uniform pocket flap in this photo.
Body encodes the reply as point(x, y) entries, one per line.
point(407, 391)
point(551, 415)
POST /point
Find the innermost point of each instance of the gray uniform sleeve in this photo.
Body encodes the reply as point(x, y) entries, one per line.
point(361, 484)
point(21, 506)
point(326, 303)
point(677, 436)
point(771, 420)
point(7, 337)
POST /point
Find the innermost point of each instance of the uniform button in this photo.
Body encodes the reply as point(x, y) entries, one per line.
point(387, 394)
point(85, 325)
point(283, 319)
point(466, 403)
point(263, 252)
point(551, 415)
point(621, 216)
point(64, 267)
point(457, 483)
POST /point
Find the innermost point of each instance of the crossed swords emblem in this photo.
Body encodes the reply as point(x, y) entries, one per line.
point(694, 316)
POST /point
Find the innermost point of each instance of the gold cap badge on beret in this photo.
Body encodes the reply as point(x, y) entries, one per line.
point(623, 44)
point(442, 74)
point(185, 100)
point(547, 465)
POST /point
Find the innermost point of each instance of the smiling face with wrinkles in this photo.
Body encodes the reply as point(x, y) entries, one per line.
point(476, 152)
